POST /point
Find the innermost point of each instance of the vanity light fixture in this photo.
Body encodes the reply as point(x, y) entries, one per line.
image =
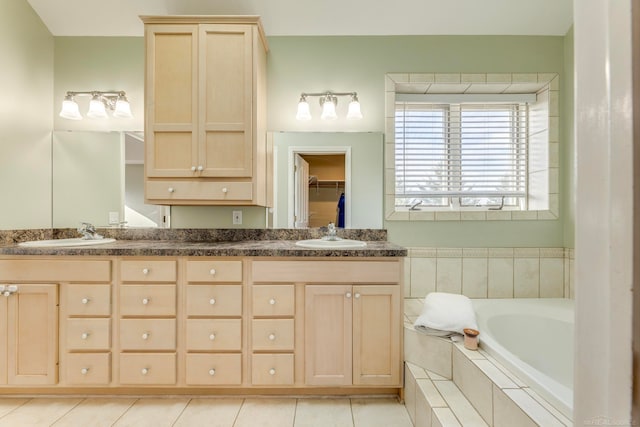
point(101, 101)
point(328, 102)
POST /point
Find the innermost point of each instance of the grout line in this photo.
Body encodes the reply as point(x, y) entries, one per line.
point(353, 418)
point(181, 412)
point(17, 407)
point(235, 420)
point(68, 412)
point(295, 413)
point(127, 410)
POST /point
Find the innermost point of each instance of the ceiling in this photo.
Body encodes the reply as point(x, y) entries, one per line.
point(319, 17)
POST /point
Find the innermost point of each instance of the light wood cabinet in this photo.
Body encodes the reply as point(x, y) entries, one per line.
point(30, 334)
point(205, 116)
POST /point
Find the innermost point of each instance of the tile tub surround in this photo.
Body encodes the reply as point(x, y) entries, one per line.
point(490, 272)
point(455, 386)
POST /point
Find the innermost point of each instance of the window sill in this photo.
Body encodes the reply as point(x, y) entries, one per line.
point(470, 215)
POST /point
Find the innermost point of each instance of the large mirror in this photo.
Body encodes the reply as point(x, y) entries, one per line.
point(98, 177)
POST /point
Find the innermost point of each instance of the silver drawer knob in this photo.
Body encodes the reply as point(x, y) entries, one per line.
point(200, 168)
point(357, 295)
point(84, 371)
point(193, 168)
point(145, 336)
point(212, 301)
point(85, 300)
point(348, 295)
point(225, 190)
point(212, 372)
point(84, 335)
point(272, 301)
point(171, 189)
point(144, 371)
point(272, 371)
point(145, 271)
point(272, 337)
point(146, 301)
point(212, 272)
point(212, 337)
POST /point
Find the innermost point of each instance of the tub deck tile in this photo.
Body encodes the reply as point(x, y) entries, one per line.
point(495, 375)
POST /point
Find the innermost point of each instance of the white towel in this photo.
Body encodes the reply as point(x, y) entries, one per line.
point(446, 314)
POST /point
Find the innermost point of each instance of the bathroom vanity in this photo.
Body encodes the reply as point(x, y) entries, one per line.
point(158, 316)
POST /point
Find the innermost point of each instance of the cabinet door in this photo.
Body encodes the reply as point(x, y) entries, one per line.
point(3, 339)
point(376, 335)
point(226, 100)
point(171, 136)
point(327, 335)
point(33, 335)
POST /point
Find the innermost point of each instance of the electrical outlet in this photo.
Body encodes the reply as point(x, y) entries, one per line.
point(237, 217)
point(114, 217)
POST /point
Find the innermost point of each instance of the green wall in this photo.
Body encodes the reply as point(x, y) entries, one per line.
point(26, 117)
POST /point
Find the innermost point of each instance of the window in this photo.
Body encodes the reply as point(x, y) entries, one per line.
point(461, 155)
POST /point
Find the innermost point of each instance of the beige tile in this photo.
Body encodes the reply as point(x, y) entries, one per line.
point(416, 371)
point(459, 405)
point(498, 215)
point(449, 252)
point(498, 78)
point(447, 78)
point(474, 384)
point(423, 252)
point(426, 388)
point(551, 277)
point(532, 408)
point(449, 275)
point(513, 377)
point(423, 276)
point(430, 353)
point(39, 412)
point(556, 413)
point(379, 413)
point(406, 276)
point(506, 413)
point(410, 397)
point(473, 216)
point(323, 412)
point(96, 412)
point(524, 78)
point(524, 215)
point(473, 78)
point(153, 412)
point(8, 404)
point(443, 417)
point(474, 277)
point(422, 215)
point(421, 77)
point(436, 377)
point(266, 413)
point(210, 412)
point(496, 376)
point(500, 277)
point(500, 252)
point(526, 277)
point(470, 354)
point(413, 306)
point(447, 216)
point(423, 411)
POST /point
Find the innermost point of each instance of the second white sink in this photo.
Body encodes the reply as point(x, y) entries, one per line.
point(331, 244)
point(57, 243)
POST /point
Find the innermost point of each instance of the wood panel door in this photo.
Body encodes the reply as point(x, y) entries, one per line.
point(171, 97)
point(328, 335)
point(376, 335)
point(226, 100)
point(32, 322)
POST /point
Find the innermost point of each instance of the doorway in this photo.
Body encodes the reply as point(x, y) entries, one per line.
point(319, 187)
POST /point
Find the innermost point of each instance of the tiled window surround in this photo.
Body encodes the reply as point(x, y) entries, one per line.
point(490, 272)
point(448, 385)
point(543, 139)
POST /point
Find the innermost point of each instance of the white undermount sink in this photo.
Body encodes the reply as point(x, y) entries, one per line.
point(331, 244)
point(57, 243)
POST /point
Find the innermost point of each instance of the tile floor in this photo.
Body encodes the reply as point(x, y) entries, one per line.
point(202, 411)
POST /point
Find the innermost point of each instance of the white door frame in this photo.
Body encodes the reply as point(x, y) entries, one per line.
point(302, 150)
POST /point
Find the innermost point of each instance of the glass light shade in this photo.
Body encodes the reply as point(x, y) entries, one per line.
point(123, 109)
point(303, 111)
point(97, 109)
point(354, 111)
point(70, 110)
point(329, 110)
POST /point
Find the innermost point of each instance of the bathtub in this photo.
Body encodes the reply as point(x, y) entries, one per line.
point(533, 338)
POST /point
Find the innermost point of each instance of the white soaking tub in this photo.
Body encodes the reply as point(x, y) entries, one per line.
point(532, 337)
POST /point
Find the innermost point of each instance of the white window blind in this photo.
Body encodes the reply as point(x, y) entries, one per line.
point(461, 154)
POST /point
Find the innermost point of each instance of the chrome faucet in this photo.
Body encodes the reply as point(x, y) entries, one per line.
point(331, 233)
point(88, 231)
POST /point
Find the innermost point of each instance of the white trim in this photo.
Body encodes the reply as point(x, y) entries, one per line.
point(460, 98)
point(293, 150)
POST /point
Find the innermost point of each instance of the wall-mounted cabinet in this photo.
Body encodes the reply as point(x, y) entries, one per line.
point(205, 111)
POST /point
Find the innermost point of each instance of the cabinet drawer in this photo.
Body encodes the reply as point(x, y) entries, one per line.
point(88, 300)
point(327, 271)
point(37, 270)
point(199, 190)
point(147, 334)
point(272, 369)
point(272, 334)
point(88, 334)
point(148, 300)
point(214, 334)
point(148, 271)
point(214, 369)
point(214, 271)
point(214, 300)
point(148, 369)
point(88, 368)
point(273, 300)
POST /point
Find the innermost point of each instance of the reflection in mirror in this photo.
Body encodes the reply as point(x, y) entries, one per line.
point(91, 182)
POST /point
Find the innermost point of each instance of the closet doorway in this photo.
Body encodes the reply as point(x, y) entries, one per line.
point(321, 187)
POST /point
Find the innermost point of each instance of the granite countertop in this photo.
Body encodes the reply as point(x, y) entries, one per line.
point(193, 242)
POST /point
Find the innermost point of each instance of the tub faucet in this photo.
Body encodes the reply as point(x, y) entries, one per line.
point(331, 233)
point(88, 231)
